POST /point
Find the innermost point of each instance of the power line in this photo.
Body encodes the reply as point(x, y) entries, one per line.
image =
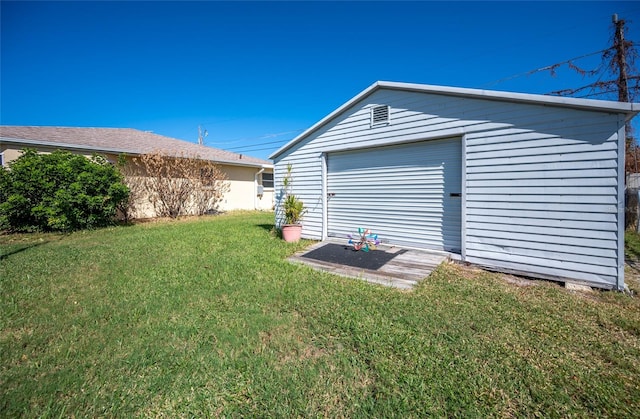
point(252, 148)
point(619, 60)
point(564, 29)
point(258, 149)
point(617, 55)
point(593, 88)
point(551, 68)
point(601, 85)
point(263, 136)
point(257, 145)
point(604, 92)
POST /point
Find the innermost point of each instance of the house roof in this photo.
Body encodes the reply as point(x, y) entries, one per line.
point(119, 140)
point(628, 109)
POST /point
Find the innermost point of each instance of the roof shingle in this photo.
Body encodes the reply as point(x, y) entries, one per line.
point(121, 140)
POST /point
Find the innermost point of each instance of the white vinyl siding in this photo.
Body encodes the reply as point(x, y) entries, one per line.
point(402, 193)
point(541, 193)
point(544, 205)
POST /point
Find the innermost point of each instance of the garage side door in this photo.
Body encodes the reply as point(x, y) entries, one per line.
point(409, 194)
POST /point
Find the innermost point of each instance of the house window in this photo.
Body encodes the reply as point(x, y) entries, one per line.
point(1, 159)
point(379, 115)
point(267, 180)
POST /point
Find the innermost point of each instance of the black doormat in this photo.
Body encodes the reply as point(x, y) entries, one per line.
point(346, 255)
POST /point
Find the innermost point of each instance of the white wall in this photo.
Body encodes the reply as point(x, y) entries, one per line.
point(542, 196)
point(242, 193)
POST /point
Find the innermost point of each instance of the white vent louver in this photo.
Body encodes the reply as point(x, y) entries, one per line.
point(379, 115)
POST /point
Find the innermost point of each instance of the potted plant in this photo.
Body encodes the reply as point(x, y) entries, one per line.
point(293, 209)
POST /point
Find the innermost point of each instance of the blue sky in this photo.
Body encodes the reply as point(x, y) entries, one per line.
point(254, 74)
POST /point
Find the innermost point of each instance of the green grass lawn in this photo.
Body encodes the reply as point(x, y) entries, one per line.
point(204, 317)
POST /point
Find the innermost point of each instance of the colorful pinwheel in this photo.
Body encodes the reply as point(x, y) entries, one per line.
point(365, 240)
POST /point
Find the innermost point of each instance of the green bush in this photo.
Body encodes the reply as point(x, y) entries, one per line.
point(59, 191)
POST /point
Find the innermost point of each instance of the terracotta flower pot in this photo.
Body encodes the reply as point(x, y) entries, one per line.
point(291, 232)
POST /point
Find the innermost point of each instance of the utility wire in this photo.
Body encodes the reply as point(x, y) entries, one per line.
point(256, 145)
point(258, 149)
point(263, 136)
point(545, 68)
point(259, 145)
point(604, 92)
point(593, 86)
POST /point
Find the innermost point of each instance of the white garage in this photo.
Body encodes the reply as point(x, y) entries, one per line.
point(520, 183)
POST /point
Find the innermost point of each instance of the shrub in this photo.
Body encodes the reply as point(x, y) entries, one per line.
point(131, 174)
point(4, 186)
point(179, 184)
point(59, 191)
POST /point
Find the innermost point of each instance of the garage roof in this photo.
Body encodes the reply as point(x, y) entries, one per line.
point(628, 109)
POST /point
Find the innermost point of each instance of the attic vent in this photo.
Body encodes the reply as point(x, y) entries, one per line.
point(379, 115)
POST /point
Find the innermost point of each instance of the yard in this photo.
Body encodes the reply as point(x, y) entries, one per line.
point(204, 317)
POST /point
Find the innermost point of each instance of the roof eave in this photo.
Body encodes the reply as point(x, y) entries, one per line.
point(235, 163)
point(53, 144)
point(629, 109)
point(591, 104)
point(95, 149)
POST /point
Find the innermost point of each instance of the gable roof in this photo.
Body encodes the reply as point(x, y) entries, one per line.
point(629, 109)
point(119, 140)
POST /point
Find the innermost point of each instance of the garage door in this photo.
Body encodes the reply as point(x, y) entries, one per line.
point(408, 194)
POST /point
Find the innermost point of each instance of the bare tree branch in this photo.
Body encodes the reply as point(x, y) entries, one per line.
point(179, 184)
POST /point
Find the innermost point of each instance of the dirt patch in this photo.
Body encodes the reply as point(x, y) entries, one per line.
point(520, 281)
point(632, 276)
point(473, 272)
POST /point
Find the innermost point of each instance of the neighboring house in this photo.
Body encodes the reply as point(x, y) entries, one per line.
point(520, 183)
point(633, 181)
point(250, 179)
